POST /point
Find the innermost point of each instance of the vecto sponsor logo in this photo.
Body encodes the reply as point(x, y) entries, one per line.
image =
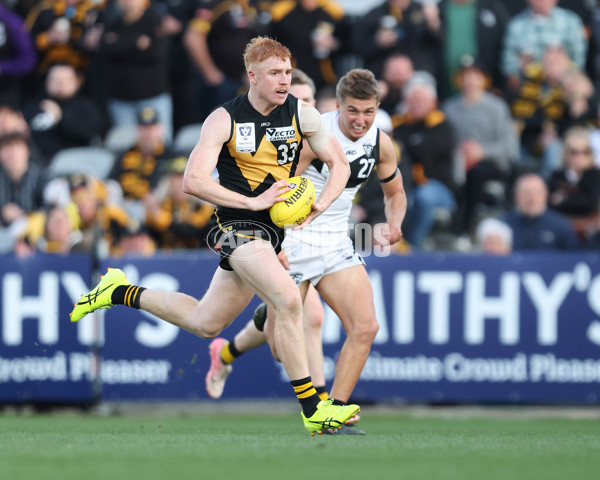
point(280, 133)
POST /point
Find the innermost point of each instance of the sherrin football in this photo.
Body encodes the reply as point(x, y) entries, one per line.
point(298, 204)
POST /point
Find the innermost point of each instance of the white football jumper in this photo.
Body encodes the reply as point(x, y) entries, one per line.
point(324, 246)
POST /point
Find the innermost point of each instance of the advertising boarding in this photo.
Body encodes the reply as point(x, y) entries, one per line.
point(453, 328)
point(39, 346)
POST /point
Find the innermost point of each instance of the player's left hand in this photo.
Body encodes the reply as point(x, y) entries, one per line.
point(387, 234)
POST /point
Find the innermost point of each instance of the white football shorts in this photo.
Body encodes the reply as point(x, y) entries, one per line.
point(311, 263)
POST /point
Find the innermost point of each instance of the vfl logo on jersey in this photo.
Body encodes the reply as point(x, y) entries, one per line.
point(368, 149)
point(245, 138)
point(281, 133)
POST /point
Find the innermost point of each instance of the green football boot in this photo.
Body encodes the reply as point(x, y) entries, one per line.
point(99, 297)
point(329, 417)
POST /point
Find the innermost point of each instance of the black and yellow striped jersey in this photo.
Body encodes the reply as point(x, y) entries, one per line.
point(261, 149)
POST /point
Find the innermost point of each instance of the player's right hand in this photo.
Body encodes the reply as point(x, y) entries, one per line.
point(275, 193)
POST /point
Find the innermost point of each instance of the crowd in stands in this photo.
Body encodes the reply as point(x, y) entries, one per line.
point(494, 108)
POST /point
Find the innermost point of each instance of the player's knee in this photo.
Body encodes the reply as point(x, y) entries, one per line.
point(289, 302)
point(313, 318)
point(365, 330)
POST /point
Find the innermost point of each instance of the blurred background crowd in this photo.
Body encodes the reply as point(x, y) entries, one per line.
point(493, 105)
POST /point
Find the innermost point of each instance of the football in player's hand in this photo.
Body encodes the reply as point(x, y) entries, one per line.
point(298, 205)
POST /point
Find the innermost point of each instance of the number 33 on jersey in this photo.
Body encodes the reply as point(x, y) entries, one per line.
point(261, 149)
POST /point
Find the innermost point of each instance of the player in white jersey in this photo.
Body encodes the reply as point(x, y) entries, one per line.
point(322, 254)
point(324, 248)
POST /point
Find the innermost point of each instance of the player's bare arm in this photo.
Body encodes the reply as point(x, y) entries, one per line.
point(393, 189)
point(306, 157)
point(197, 179)
point(325, 146)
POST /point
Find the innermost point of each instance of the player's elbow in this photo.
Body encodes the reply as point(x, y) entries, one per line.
point(343, 167)
point(346, 168)
point(395, 197)
point(187, 187)
point(189, 184)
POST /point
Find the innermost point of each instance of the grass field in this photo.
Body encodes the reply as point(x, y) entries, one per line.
point(259, 446)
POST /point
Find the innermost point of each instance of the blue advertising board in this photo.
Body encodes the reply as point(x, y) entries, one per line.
point(147, 358)
point(523, 328)
point(38, 344)
point(453, 328)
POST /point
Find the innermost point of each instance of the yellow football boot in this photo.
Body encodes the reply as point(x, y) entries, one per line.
point(99, 297)
point(329, 417)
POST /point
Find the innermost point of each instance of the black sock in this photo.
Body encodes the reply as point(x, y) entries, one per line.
point(307, 395)
point(128, 295)
point(233, 350)
point(322, 392)
point(229, 353)
point(339, 402)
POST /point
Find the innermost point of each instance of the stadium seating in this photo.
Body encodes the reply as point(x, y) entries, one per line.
point(187, 137)
point(120, 138)
point(94, 161)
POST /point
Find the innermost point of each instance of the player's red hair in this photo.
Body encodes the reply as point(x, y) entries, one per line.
point(261, 48)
